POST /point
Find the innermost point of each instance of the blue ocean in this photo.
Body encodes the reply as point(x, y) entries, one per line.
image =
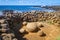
point(22, 8)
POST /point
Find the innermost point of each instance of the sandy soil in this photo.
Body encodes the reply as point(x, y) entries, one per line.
point(50, 30)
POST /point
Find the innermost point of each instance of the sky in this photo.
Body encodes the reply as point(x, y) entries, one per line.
point(29, 2)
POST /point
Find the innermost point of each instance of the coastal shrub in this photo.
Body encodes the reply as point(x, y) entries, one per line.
point(50, 22)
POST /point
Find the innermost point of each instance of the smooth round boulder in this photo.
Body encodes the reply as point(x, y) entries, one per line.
point(31, 27)
point(22, 30)
point(24, 23)
point(40, 32)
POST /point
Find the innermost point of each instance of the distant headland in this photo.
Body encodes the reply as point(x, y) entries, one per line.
point(56, 7)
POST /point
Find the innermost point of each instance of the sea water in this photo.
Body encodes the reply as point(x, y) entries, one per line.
point(22, 8)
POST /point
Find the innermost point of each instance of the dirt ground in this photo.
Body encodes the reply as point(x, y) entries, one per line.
point(51, 32)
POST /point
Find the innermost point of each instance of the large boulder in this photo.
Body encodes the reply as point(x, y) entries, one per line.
point(31, 26)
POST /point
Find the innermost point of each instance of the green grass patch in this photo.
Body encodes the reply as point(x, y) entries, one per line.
point(58, 38)
point(50, 22)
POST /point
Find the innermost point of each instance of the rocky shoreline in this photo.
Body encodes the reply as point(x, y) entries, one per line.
point(11, 23)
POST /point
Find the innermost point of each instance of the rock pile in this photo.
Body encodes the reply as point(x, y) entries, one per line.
point(14, 20)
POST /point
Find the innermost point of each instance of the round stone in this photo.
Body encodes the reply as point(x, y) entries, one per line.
point(24, 23)
point(22, 30)
point(40, 33)
point(31, 26)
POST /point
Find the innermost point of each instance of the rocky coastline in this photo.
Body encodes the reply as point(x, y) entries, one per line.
point(11, 23)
